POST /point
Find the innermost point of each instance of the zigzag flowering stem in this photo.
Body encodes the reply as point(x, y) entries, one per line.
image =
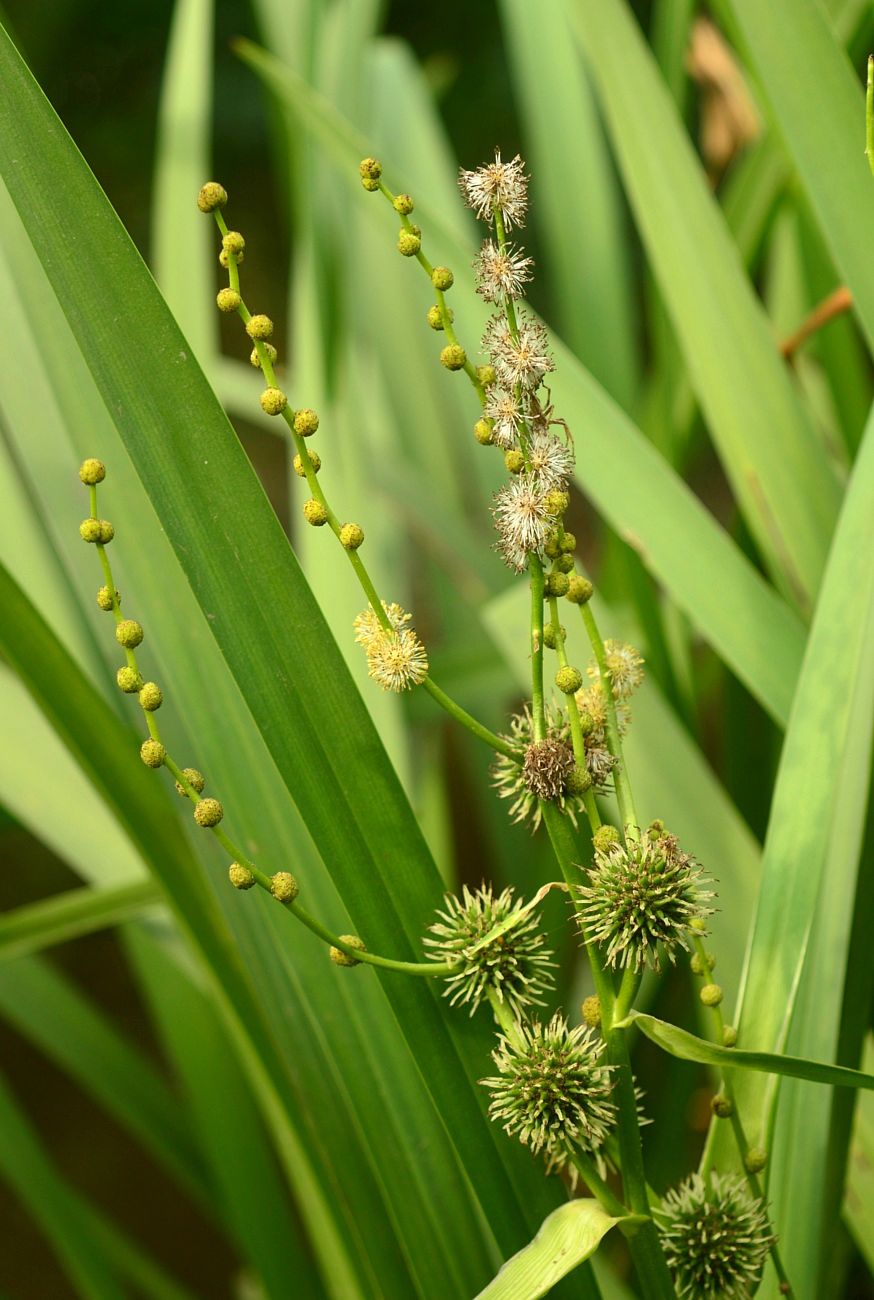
point(624, 797)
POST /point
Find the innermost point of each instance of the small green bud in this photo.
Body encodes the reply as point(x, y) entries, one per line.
point(565, 563)
point(259, 327)
point(225, 261)
point(556, 502)
point(92, 471)
point(657, 829)
point(151, 697)
point(579, 590)
point(551, 635)
point(255, 360)
point(721, 1106)
point(153, 753)
point(128, 680)
point(442, 278)
point(212, 196)
point(233, 242)
point(700, 967)
point(487, 375)
point(552, 548)
point(341, 958)
point(482, 431)
point(514, 460)
point(578, 781)
point(698, 923)
point(129, 633)
point(568, 543)
point(605, 837)
point(755, 1160)
point(591, 1010)
point(453, 357)
point(351, 536)
point(568, 680)
point(104, 598)
point(711, 995)
point(587, 722)
point(228, 300)
point(273, 401)
point(89, 530)
point(208, 812)
point(284, 887)
point(408, 243)
point(403, 204)
point(315, 463)
point(369, 184)
point(557, 584)
point(107, 532)
point(435, 317)
point(305, 422)
point(194, 778)
point(370, 169)
point(315, 513)
point(240, 877)
point(729, 1036)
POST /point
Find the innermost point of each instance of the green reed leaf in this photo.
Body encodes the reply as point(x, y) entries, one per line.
point(77, 912)
point(567, 1237)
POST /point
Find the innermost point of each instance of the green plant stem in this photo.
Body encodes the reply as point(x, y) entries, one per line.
point(455, 710)
point(561, 838)
point(624, 797)
point(573, 709)
point(504, 1018)
point(869, 114)
point(538, 711)
point(429, 969)
point(608, 1201)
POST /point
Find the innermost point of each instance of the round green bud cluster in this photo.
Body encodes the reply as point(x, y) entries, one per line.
point(341, 958)
point(514, 461)
point(351, 536)
point(259, 327)
point(755, 1160)
point(578, 781)
point(453, 357)
point(711, 995)
point(408, 243)
point(697, 924)
point(153, 753)
point(552, 635)
point(568, 680)
point(579, 590)
point(255, 360)
point(194, 778)
point(591, 1010)
point(128, 680)
point(370, 170)
point(482, 431)
point(564, 563)
point(129, 633)
point(225, 261)
point(729, 1036)
point(315, 464)
point(315, 513)
point(104, 598)
point(700, 967)
point(233, 242)
point(435, 317)
point(92, 471)
point(212, 196)
point(587, 722)
point(605, 837)
point(228, 300)
point(487, 375)
point(556, 502)
point(552, 546)
point(556, 584)
point(305, 422)
point(89, 530)
point(403, 204)
point(107, 532)
point(442, 278)
point(240, 877)
point(284, 887)
point(208, 812)
point(722, 1106)
point(151, 697)
point(567, 543)
point(273, 401)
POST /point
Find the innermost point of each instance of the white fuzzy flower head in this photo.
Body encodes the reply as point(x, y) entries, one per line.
point(501, 273)
point(523, 359)
point(396, 660)
point(507, 414)
point(522, 519)
point(551, 460)
point(716, 1238)
point(367, 625)
point(515, 966)
point(551, 1090)
point(624, 668)
point(498, 186)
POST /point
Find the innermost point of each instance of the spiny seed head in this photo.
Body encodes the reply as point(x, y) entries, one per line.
point(403, 204)
point(284, 887)
point(341, 958)
point(128, 680)
point(435, 317)
point(568, 680)
point(195, 779)
point(522, 357)
point(240, 876)
point(255, 360)
point(579, 590)
point(547, 770)
point(208, 812)
point(715, 1236)
point(351, 536)
point(273, 401)
point(315, 513)
point(514, 965)
point(640, 899)
point(501, 273)
point(556, 584)
point(212, 196)
point(92, 471)
point(624, 668)
point(233, 242)
point(711, 995)
point(551, 1090)
point(370, 169)
point(522, 521)
point(482, 431)
point(129, 633)
point(497, 187)
point(89, 530)
point(151, 697)
point(259, 327)
point(409, 243)
point(442, 278)
point(729, 1036)
point(305, 422)
point(153, 753)
point(591, 1010)
point(514, 461)
point(315, 463)
point(396, 660)
point(228, 300)
point(453, 357)
point(104, 598)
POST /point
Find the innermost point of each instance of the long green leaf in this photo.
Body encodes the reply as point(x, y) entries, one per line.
point(567, 1237)
point(35, 926)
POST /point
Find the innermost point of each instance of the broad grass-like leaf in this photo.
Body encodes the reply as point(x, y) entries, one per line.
point(77, 912)
point(569, 1235)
